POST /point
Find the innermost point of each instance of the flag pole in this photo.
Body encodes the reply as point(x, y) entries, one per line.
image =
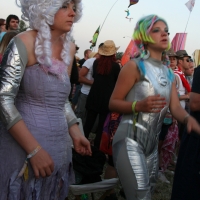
point(108, 13)
point(185, 31)
point(106, 18)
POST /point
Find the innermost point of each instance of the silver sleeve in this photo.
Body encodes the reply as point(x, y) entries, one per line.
point(70, 116)
point(11, 72)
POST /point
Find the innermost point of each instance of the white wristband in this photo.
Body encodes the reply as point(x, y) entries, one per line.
point(33, 152)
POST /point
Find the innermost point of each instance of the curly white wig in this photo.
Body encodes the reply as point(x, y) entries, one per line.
point(40, 14)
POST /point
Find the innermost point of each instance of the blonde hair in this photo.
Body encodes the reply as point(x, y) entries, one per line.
point(40, 14)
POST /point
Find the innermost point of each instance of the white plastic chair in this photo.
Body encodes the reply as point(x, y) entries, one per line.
point(105, 185)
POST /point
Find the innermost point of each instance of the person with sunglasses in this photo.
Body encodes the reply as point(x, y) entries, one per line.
point(183, 64)
point(184, 89)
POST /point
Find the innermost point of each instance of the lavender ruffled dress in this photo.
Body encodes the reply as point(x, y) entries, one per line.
point(40, 101)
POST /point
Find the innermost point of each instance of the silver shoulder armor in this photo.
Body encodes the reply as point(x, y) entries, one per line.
point(11, 72)
point(70, 116)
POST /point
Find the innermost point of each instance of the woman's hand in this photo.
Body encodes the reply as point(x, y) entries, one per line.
point(151, 104)
point(81, 144)
point(42, 164)
point(192, 124)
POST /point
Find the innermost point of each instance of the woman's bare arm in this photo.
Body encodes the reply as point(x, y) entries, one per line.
point(128, 76)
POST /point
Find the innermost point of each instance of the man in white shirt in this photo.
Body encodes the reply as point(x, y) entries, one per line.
point(184, 88)
point(182, 67)
point(85, 77)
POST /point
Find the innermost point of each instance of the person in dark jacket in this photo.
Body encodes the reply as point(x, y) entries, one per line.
point(105, 74)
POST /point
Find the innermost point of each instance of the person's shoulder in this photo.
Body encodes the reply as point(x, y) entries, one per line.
point(131, 64)
point(27, 36)
point(197, 73)
point(81, 61)
point(131, 69)
point(89, 62)
point(197, 69)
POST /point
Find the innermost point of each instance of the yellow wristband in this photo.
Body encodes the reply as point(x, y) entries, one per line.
point(133, 107)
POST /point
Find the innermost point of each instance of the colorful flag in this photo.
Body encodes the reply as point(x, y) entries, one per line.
point(132, 2)
point(95, 37)
point(129, 53)
point(190, 5)
point(178, 42)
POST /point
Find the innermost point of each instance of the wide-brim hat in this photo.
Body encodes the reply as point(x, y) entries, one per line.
point(108, 48)
point(171, 53)
point(182, 54)
point(92, 54)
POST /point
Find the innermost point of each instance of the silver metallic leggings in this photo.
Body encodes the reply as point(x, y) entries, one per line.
point(137, 173)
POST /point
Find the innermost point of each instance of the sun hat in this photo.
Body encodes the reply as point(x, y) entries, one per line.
point(182, 54)
point(108, 48)
point(171, 53)
point(92, 54)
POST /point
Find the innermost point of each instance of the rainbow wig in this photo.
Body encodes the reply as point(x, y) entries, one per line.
point(141, 37)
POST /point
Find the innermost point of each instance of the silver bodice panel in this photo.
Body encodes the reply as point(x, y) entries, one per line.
point(11, 72)
point(148, 126)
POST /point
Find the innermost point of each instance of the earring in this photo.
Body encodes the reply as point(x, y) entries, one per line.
point(147, 54)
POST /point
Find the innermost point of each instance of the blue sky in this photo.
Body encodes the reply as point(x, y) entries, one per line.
point(117, 26)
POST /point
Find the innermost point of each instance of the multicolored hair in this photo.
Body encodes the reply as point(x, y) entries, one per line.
point(142, 37)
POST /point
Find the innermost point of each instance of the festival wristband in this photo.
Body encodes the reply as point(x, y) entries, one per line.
point(24, 170)
point(133, 107)
point(34, 152)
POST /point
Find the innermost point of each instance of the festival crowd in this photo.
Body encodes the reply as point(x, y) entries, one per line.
point(142, 117)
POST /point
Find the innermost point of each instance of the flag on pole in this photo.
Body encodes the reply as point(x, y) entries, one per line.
point(178, 42)
point(190, 5)
point(129, 52)
point(95, 37)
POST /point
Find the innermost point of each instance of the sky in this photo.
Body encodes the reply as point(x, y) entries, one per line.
point(118, 28)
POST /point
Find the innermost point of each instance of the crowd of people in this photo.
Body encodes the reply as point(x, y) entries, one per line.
point(151, 106)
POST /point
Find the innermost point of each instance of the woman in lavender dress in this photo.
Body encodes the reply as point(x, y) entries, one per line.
point(36, 120)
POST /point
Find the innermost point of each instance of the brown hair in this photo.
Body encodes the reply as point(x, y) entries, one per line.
point(105, 64)
point(5, 40)
point(2, 21)
point(86, 51)
point(9, 18)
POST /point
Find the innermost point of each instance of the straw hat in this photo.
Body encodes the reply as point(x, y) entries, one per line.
point(108, 48)
point(92, 54)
